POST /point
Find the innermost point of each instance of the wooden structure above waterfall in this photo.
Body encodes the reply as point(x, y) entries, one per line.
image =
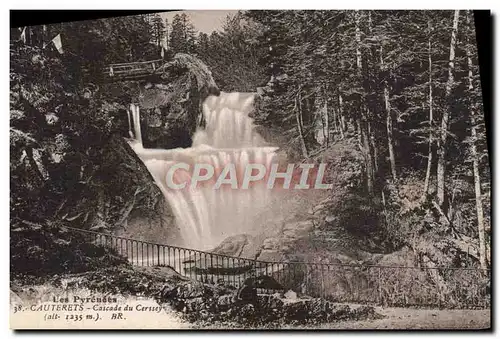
point(134, 70)
point(161, 70)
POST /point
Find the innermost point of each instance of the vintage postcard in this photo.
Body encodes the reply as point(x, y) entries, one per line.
point(251, 169)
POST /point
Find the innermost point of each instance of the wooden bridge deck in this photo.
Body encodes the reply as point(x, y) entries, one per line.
point(133, 70)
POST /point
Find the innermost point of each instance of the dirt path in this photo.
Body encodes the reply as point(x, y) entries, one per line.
point(399, 318)
point(404, 318)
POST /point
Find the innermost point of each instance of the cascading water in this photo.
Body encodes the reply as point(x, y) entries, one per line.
point(206, 216)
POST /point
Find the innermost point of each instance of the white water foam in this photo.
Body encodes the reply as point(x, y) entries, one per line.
point(206, 216)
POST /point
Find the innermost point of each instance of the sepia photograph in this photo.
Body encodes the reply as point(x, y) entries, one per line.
point(250, 169)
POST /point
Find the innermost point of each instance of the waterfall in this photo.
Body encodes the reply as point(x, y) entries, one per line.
point(206, 216)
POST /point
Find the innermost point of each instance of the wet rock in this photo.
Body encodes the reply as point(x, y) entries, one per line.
point(15, 299)
point(330, 219)
point(247, 310)
point(51, 119)
point(194, 304)
point(225, 300)
point(290, 233)
point(298, 226)
point(234, 246)
point(285, 248)
point(296, 311)
point(270, 301)
point(270, 244)
point(290, 295)
point(154, 118)
point(273, 256)
point(317, 209)
point(172, 110)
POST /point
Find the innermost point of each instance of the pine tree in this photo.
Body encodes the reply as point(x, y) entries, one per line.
point(183, 35)
point(158, 29)
point(203, 45)
point(233, 54)
point(475, 140)
point(177, 35)
point(446, 114)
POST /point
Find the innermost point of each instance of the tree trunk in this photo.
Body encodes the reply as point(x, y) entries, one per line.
point(367, 154)
point(388, 122)
point(446, 114)
point(342, 117)
point(358, 41)
point(364, 135)
point(429, 157)
point(326, 126)
point(326, 123)
point(342, 127)
point(358, 65)
point(475, 162)
point(335, 115)
point(298, 117)
point(390, 144)
point(373, 147)
point(358, 132)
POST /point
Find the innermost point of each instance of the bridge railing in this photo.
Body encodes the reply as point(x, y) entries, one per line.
point(132, 68)
point(381, 285)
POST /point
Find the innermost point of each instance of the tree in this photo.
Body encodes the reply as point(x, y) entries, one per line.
point(183, 35)
point(446, 114)
point(383, 78)
point(203, 45)
point(177, 40)
point(158, 30)
point(363, 119)
point(431, 116)
point(167, 34)
point(190, 34)
point(233, 54)
point(475, 136)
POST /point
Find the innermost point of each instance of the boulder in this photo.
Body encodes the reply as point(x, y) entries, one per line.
point(233, 246)
point(270, 244)
point(221, 306)
point(273, 256)
point(171, 110)
point(330, 219)
point(291, 295)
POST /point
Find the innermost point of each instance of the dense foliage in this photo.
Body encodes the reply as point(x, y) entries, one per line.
point(232, 54)
point(406, 85)
point(69, 164)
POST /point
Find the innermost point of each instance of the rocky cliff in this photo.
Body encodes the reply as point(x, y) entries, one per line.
point(171, 110)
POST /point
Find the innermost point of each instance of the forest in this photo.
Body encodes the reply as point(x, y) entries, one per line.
point(403, 87)
point(404, 84)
